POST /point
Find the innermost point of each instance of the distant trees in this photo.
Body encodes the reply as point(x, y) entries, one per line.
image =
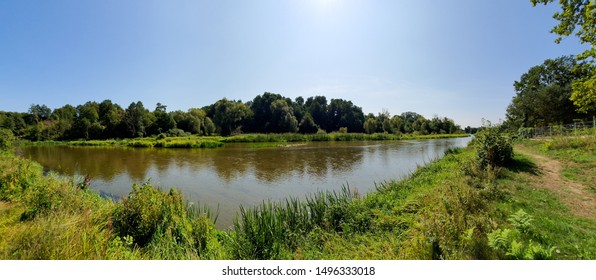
point(307, 124)
point(266, 113)
point(282, 117)
point(229, 116)
point(543, 94)
point(137, 119)
point(342, 113)
point(164, 122)
point(370, 125)
point(409, 122)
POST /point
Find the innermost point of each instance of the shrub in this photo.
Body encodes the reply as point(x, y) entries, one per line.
point(140, 213)
point(492, 149)
point(6, 139)
point(161, 222)
point(176, 132)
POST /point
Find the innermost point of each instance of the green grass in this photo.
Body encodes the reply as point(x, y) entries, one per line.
point(574, 237)
point(578, 154)
point(553, 224)
point(217, 141)
point(333, 136)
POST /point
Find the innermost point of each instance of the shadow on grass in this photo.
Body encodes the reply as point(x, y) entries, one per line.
point(523, 164)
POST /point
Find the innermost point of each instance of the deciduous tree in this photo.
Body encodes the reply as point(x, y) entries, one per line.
point(578, 17)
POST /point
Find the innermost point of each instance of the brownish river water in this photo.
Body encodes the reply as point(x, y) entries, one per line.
point(241, 174)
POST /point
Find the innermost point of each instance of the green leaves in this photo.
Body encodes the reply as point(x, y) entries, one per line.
point(512, 242)
point(6, 139)
point(492, 149)
point(579, 16)
point(584, 94)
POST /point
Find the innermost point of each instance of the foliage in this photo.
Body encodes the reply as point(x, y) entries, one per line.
point(543, 94)
point(282, 117)
point(229, 115)
point(136, 118)
point(492, 148)
point(266, 113)
point(6, 139)
point(370, 126)
point(579, 17)
point(584, 93)
point(209, 126)
point(510, 242)
point(161, 221)
point(307, 125)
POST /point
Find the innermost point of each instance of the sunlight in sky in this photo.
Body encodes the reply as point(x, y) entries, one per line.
point(432, 57)
point(326, 5)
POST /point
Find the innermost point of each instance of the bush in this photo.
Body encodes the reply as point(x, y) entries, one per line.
point(492, 149)
point(160, 222)
point(140, 213)
point(6, 139)
point(176, 132)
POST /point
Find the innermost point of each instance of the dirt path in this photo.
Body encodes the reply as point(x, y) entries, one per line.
point(573, 194)
point(4, 205)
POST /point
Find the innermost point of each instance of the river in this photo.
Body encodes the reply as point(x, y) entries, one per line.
point(244, 174)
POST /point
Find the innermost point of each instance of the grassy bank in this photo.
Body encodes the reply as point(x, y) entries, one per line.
point(448, 209)
point(334, 136)
point(217, 141)
point(167, 142)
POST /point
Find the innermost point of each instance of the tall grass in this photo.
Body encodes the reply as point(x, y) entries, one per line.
point(334, 136)
point(263, 232)
point(216, 141)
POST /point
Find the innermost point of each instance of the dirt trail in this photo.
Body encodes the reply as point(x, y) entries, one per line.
point(576, 196)
point(4, 205)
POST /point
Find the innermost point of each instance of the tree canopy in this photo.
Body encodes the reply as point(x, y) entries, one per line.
point(578, 17)
point(543, 94)
point(266, 113)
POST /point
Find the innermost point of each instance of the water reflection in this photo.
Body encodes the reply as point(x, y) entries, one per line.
point(240, 175)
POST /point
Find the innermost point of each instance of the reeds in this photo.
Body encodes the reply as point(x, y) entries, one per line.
point(263, 232)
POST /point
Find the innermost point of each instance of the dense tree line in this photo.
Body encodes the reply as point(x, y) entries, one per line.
point(266, 113)
point(543, 94)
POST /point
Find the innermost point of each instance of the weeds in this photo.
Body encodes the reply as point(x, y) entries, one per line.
point(493, 149)
point(517, 243)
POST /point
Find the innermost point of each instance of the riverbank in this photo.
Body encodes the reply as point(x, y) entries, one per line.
point(218, 141)
point(448, 209)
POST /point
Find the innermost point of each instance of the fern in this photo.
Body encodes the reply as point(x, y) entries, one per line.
point(499, 239)
point(521, 220)
point(511, 241)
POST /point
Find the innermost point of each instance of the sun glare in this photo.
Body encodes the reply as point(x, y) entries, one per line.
point(325, 5)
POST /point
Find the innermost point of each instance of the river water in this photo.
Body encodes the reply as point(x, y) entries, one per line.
point(244, 174)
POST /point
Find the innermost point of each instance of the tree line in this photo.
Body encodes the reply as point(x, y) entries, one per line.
point(266, 113)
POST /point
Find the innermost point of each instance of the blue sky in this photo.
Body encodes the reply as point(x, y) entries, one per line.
point(451, 58)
